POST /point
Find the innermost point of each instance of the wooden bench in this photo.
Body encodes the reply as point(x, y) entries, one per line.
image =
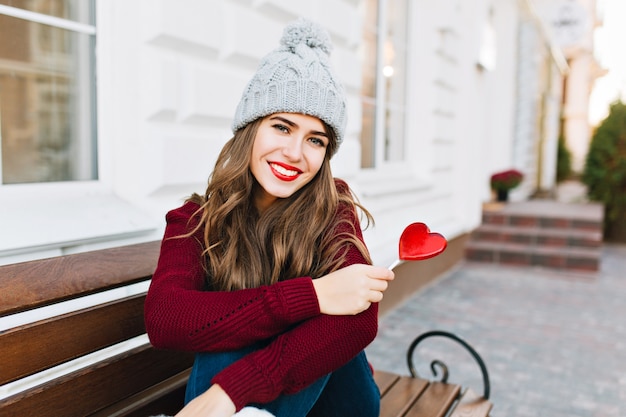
point(95, 360)
point(137, 381)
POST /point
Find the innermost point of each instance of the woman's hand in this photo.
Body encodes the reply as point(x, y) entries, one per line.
point(213, 403)
point(352, 289)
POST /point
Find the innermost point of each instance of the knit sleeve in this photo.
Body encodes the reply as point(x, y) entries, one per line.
point(180, 315)
point(298, 357)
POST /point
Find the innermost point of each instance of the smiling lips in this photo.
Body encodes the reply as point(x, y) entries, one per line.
point(284, 172)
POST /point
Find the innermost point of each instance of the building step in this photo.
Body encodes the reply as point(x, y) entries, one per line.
point(524, 220)
point(552, 237)
point(544, 233)
point(546, 214)
point(562, 258)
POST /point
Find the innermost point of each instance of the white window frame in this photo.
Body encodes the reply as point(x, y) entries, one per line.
point(47, 219)
point(48, 20)
point(381, 105)
point(390, 177)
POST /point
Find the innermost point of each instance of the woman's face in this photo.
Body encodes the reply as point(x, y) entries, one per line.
point(288, 151)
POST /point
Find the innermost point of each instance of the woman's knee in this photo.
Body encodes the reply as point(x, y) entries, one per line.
point(351, 391)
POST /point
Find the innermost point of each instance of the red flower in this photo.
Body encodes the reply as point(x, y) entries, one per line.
point(506, 180)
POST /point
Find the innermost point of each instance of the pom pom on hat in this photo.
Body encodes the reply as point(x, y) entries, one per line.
point(296, 78)
point(305, 31)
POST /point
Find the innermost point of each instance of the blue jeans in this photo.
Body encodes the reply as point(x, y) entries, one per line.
point(348, 391)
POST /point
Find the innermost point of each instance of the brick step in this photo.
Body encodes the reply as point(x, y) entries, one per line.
point(562, 258)
point(546, 214)
point(539, 236)
point(533, 221)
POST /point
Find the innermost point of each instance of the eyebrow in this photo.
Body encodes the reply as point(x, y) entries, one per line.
point(293, 124)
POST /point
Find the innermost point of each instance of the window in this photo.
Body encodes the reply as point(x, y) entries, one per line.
point(47, 91)
point(383, 95)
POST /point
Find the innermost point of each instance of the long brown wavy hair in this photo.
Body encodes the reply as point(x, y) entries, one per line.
point(306, 234)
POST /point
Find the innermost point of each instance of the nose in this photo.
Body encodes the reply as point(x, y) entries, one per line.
point(292, 149)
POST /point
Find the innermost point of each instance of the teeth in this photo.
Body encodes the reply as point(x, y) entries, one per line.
point(284, 171)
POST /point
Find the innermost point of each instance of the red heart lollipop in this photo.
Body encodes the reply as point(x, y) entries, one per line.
point(417, 242)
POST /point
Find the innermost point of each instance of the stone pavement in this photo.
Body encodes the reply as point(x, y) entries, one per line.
point(554, 343)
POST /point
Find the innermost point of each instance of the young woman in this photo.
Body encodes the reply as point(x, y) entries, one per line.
point(266, 276)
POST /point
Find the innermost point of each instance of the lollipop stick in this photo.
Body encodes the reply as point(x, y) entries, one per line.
point(394, 264)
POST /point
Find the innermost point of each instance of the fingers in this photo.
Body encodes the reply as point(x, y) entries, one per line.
point(378, 282)
point(352, 289)
point(375, 296)
point(378, 272)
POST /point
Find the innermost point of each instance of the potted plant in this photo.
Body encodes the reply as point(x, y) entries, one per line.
point(504, 181)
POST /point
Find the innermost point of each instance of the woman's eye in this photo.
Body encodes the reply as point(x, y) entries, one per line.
point(318, 142)
point(281, 128)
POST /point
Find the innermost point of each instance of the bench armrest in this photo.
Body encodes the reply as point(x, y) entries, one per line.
point(435, 363)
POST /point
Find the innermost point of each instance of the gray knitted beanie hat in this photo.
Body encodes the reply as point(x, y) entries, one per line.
point(296, 78)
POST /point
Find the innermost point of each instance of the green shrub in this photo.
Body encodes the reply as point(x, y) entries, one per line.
point(605, 170)
point(563, 161)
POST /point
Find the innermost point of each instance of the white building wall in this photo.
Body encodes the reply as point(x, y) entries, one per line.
point(179, 76)
point(500, 97)
point(571, 24)
point(170, 74)
point(531, 61)
point(540, 70)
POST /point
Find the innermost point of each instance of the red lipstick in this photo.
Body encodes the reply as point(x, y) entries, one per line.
point(284, 172)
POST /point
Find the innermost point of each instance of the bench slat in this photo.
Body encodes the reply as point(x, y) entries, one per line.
point(401, 395)
point(28, 285)
point(66, 396)
point(385, 380)
point(472, 405)
point(435, 401)
point(165, 398)
point(41, 345)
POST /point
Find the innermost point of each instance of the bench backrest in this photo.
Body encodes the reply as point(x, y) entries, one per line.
point(93, 361)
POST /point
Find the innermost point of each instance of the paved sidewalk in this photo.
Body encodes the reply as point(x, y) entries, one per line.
point(554, 343)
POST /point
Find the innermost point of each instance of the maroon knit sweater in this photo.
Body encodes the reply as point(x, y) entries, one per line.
point(305, 346)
